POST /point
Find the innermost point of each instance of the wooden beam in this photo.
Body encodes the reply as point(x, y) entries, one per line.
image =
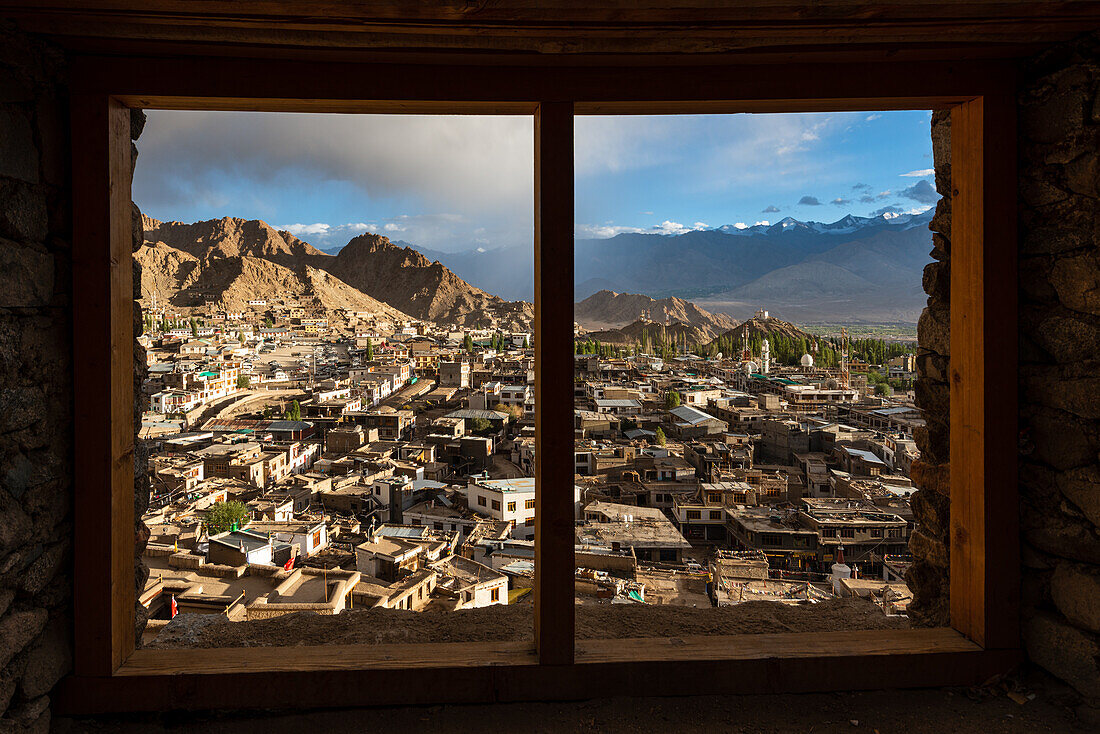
point(564, 27)
point(260, 84)
point(554, 459)
point(103, 352)
point(985, 582)
point(336, 675)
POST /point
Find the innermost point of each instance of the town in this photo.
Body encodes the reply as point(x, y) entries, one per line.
point(304, 458)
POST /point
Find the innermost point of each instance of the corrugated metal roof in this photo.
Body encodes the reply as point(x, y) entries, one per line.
point(691, 415)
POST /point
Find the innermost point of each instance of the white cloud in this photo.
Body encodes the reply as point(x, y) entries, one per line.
point(764, 222)
point(869, 118)
point(741, 225)
point(603, 231)
point(305, 230)
point(391, 227)
point(919, 174)
point(481, 166)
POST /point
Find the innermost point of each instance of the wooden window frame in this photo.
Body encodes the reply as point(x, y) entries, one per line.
point(110, 675)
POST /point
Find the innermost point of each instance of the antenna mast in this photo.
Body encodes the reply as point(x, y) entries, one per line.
point(845, 380)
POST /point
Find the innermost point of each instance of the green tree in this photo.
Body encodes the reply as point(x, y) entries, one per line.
point(659, 437)
point(294, 412)
point(468, 344)
point(526, 343)
point(883, 389)
point(268, 323)
point(194, 327)
point(240, 337)
point(480, 425)
point(370, 350)
point(243, 383)
point(672, 400)
point(225, 516)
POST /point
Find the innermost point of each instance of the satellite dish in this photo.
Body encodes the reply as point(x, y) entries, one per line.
point(807, 360)
point(718, 356)
point(751, 367)
point(832, 384)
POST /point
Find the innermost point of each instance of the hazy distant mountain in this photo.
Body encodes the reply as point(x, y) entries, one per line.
point(855, 269)
point(610, 310)
point(508, 272)
point(230, 261)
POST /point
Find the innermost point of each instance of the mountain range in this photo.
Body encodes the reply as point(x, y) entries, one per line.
point(606, 311)
point(230, 261)
point(856, 269)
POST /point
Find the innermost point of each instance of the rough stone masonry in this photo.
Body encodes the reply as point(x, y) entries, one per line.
point(1059, 380)
point(36, 375)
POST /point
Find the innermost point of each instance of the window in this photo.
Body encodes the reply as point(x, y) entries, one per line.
point(714, 497)
point(529, 522)
point(529, 505)
point(987, 430)
point(496, 505)
point(694, 514)
point(481, 500)
point(494, 595)
point(847, 533)
point(317, 539)
point(895, 532)
point(511, 507)
point(828, 532)
point(771, 539)
point(876, 532)
point(715, 514)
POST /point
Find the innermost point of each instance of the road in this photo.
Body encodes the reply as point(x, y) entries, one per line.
point(227, 409)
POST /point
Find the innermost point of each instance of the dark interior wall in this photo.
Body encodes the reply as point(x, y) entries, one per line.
point(1059, 259)
point(1059, 383)
point(36, 375)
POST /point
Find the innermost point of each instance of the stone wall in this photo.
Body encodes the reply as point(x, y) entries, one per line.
point(1059, 154)
point(928, 576)
point(36, 375)
point(1059, 385)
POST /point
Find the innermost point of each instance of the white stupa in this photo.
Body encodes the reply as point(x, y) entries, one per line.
point(807, 361)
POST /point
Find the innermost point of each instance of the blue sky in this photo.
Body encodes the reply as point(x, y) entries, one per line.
point(457, 183)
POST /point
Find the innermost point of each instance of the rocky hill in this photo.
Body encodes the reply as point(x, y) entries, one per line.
point(406, 279)
point(230, 261)
point(185, 281)
point(653, 333)
point(762, 327)
point(610, 310)
point(231, 237)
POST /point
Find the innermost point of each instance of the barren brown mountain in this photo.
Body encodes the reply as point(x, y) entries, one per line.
point(766, 327)
point(230, 261)
point(428, 290)
point(651, 332)
point(608, 310)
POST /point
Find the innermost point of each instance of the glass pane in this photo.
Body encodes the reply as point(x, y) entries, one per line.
point(339, 406)
point(747, 294)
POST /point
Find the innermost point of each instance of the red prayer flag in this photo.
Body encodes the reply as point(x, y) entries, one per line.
point(289, 564)
point(175, 608)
